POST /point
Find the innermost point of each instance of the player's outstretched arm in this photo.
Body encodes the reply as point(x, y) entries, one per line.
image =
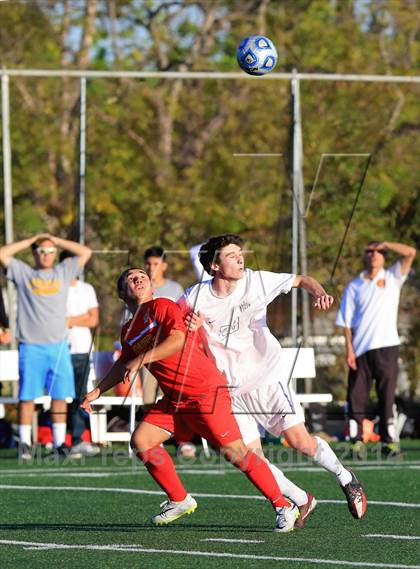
point(114, 376)
point(322, 299)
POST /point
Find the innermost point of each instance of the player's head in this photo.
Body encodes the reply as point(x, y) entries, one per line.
point(134, 286)
point(222, 255)
point(374, 256)
point(44, 252)
point(155, 262)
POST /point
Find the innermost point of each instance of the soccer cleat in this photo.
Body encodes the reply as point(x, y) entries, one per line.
point(358, 450)
point(25, 452)
point(172, 511)
point(305, 510)
point(62, 450)
point(286, 518)
point(356, 498)
point(84, 449)
point(391, 450)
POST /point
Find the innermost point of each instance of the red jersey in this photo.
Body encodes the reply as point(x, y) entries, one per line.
point(186, 374)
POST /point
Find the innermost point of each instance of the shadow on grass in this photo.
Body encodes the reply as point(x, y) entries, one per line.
point(131, 527)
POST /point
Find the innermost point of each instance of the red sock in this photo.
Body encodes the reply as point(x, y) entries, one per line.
point(162, 469)
point(259, 473)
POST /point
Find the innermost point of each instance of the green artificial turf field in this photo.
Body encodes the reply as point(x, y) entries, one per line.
point(94, 513)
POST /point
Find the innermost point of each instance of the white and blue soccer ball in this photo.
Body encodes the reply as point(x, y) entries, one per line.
point(257, 55)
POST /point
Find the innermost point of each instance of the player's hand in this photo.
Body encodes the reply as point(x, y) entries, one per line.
point(379, 246)
point(132, 367)
point(5, 337)
point(194, 321)
point(89, 397)
point(323, 302)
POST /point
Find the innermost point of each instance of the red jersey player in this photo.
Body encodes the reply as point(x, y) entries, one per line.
point(195, 398)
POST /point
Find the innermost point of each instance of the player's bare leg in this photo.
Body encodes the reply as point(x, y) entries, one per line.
point(258, 472)
point(146, 442)
point(321, 452)
point(305, 501)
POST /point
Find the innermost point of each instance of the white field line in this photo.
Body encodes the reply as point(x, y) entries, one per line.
point(87, 474)
point(224, 540)
point(117, 548)
point(225, 468)
point(391, 536)
point(197, 494)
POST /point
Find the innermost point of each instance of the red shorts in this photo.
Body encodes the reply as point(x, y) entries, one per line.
point(210, 416)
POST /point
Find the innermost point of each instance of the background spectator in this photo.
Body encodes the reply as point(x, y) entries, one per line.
point(44, 356)
point(82, 316)
point(368, 313)
point(156, 267)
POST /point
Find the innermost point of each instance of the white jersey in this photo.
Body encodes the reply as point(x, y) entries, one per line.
point(80, 299)
point(370, 309)
point(237, 331)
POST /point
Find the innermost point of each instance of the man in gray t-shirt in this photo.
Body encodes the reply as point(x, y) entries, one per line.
point(44, 357)
point(156, 267)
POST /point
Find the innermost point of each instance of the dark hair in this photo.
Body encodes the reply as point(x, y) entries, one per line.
point(122, 281)
point(65, 255)
point(37, 243)
point(381, 251)
point(210, 250)
point(155, 251)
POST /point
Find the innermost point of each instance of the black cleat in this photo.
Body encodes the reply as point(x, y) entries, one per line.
point(356, 498)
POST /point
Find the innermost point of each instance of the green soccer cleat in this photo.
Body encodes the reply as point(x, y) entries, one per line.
point(172, 511)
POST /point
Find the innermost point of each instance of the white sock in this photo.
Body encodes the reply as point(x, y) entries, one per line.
point(327, 458)
point(59, 434)
point(287, 487)
point(25, 432)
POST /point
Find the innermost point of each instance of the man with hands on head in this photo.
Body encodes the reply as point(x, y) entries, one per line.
point(368, 313)
point(44, 357)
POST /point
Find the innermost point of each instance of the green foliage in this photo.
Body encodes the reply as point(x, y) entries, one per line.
point(160, 154)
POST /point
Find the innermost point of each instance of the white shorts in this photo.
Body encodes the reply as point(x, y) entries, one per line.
point(271, 408)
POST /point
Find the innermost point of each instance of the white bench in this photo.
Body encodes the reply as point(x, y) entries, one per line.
point(9, 372)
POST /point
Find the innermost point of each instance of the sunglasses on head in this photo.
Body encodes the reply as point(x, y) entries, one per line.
point(45, 250)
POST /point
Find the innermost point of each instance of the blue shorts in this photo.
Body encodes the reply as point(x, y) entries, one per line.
point(45, 369)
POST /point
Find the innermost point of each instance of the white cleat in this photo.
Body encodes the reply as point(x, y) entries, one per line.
point(286, 518)
point(172, 511)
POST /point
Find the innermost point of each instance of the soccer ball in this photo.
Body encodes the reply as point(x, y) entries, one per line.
point(257, 55)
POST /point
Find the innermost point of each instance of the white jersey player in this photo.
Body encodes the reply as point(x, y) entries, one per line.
point(231, 307)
